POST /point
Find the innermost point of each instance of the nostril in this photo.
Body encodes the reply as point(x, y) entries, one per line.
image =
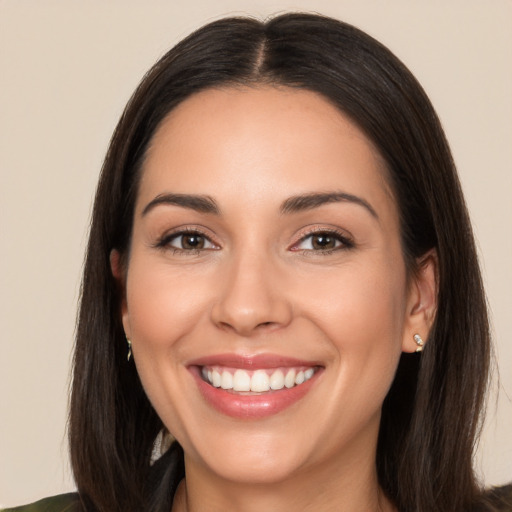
point(268, 326)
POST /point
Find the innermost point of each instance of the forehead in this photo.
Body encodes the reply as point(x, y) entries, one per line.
point(260, 142)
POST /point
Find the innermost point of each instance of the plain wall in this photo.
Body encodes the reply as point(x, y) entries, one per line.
point(66, 72)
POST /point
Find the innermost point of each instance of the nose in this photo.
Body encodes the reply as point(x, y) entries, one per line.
point(252, 296)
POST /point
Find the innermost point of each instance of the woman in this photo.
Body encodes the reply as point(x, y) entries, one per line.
point(281, 274)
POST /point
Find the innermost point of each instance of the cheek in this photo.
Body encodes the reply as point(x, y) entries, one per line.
point(162, 305)
point(163, 308)
point(357, 307)
point(361, 314)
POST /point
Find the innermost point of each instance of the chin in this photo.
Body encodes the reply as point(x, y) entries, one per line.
point(250, 457)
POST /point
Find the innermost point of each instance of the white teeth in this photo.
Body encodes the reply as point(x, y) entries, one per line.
point(216, 378)
point(289, 380)
point(241, 381)
point(226, 380)
point(258, 381)
point(277, 380)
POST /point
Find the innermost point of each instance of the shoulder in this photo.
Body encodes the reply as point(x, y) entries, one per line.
point(62, 503)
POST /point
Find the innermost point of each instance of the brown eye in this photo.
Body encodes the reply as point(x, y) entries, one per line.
point(187, 241)
point(192, 241)
point(323, 241)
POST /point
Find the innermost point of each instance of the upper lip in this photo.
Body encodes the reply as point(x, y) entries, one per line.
point(248, 362)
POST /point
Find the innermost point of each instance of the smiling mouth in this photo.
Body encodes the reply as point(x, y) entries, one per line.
point(237, 380)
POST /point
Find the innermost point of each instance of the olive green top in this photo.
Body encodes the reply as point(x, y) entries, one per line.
point(61, 503)
point(499, 499)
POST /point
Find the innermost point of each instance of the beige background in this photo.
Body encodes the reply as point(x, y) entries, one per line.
point(66, 71)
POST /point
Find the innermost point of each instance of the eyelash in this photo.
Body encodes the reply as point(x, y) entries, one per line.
point(165, 241)
point(345, 242)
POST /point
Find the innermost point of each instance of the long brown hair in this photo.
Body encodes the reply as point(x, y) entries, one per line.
point(431, 415)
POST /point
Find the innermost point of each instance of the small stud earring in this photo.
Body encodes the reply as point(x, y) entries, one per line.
point(129, 349)
point(419, 341)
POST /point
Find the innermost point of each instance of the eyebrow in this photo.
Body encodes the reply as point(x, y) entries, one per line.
point(314, 200)
point(199, 203)
point(299, 203)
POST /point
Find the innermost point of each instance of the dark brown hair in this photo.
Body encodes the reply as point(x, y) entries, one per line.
point(431, 415)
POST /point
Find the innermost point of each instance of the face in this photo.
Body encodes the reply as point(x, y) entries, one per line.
point(266, 294)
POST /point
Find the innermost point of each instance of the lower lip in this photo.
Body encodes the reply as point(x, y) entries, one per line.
point(251, 406)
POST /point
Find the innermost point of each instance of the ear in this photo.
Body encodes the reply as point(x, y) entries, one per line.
point(421, 301)
point(119, 273)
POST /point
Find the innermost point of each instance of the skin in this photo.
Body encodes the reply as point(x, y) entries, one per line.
point(263, 284)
